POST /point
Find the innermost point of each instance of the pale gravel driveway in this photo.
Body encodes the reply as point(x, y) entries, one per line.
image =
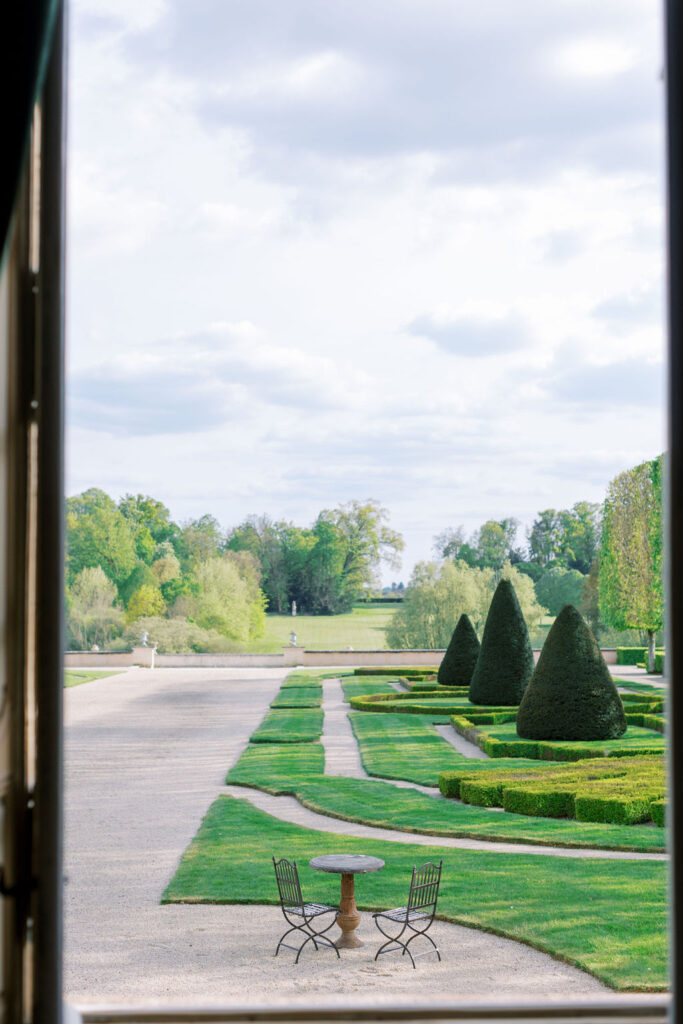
point(146, 753)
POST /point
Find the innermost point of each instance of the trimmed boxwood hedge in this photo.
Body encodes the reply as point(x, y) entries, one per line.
point(457, 664)
point(469, 724)
point(658, 808)
point(391, 670)
point(505, 660)
point(627, 793)
point(571, 694)
point(633, 655)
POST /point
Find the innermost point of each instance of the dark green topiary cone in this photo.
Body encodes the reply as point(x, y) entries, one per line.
point(461, 655)
point(505, 660)
point(571, 695)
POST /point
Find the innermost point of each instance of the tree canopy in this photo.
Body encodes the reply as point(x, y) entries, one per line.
point(630, 577)
point(439, 594)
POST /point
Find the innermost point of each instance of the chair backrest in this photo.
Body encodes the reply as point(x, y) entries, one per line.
point(288, 885)
point(424, 887)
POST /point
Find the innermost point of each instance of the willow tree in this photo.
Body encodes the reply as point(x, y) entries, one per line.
point(630, 579)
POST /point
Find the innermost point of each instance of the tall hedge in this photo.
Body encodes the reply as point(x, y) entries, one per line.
point(571, 695)
point(461, 655)
point(505, 661)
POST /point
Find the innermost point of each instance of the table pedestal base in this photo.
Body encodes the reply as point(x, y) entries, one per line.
point(349, 918)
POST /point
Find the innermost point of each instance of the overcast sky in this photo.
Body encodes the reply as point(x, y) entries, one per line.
point(324, 250)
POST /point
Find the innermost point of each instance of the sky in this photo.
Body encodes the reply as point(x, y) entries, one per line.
point(328, 250)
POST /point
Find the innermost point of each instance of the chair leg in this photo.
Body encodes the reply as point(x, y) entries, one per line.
point(427, 937)
point(294, 928)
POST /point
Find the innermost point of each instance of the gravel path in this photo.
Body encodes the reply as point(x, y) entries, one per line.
point(145, 755)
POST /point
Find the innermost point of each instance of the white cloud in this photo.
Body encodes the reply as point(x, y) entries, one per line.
point(359, 198)
point(594, 58)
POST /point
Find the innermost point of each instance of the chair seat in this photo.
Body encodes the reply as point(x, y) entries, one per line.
point(402, 914)
point(310, 909)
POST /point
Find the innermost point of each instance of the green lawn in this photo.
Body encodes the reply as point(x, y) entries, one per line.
point(289, 725)
point(362, 628)
point(297, 770)
point(405, 747)
point(298, 697)
point(608, 917)
point(355, 687)
point(77, 676)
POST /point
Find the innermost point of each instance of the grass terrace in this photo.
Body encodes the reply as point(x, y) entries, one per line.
point(607, 917)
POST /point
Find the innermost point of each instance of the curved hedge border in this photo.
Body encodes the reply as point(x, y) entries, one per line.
point(626, 794)
point(540, 750)
point(389, 670)
point(409, 704)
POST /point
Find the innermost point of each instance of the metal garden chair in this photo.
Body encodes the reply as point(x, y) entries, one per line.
point(298, 914)
point(416, 918)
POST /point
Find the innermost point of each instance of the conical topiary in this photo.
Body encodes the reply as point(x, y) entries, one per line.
point(458, 662)
point(571, 695)
point(505, 660)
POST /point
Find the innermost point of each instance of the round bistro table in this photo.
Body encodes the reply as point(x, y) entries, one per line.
point(347, 865)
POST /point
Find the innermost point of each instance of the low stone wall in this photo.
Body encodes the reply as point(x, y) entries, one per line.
point(291, 657)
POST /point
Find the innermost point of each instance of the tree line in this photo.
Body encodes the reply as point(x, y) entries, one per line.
point(606, 559)
point(193, 586)
point(131, 569)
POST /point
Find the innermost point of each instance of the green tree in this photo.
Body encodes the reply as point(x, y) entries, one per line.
point(488, 547)
point(92, 616)
point(199, 540)
point(494, 543)
point(589, 605)
point(439, 594)
point(436, 597)
point(558, 587)
point(227, 600)
point(571, 695)
point(97, 534)
point(141, 575)
point(166, 566)
point(268, 541)
point(176, 636)
point(368, 541)
point(505, 661)
point(147, 600)
point(461, 655)
point(630, 579)
point(580, 535)
point(150, 514)
point(546, 537)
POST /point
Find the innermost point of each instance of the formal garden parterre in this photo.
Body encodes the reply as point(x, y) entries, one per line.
point(569, 763)
point(607, 916)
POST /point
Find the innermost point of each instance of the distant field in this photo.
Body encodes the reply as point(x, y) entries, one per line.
point(362, 629)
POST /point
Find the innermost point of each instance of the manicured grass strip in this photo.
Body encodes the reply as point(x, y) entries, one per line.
point(289, 725)
point(296, 770)
point(619, 791)
point(75, 677)
point(299, 697)
point(297, 680)
point(607, 917)
point(360, 688)
point(267, 765)
point(641, 687)
point(403, 747)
